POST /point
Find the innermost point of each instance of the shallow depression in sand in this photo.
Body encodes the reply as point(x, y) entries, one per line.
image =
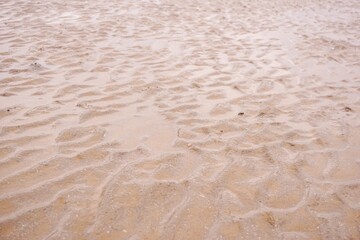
point(147, 131)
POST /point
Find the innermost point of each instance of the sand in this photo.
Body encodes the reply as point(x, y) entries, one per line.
point(178, 119)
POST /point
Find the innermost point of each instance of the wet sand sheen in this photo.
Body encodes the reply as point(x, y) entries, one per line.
point(179, 119)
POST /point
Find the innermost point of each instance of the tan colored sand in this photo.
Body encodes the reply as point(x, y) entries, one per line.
point(178, 119)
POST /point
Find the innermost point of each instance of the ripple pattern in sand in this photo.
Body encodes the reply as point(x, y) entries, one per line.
point(176, 119)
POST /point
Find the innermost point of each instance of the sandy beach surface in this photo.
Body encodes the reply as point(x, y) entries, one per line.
point(179, 119)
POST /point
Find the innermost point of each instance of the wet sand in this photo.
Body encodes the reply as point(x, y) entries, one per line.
point(178, 119)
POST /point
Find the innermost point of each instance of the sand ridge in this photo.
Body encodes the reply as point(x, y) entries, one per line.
point(179, 119)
